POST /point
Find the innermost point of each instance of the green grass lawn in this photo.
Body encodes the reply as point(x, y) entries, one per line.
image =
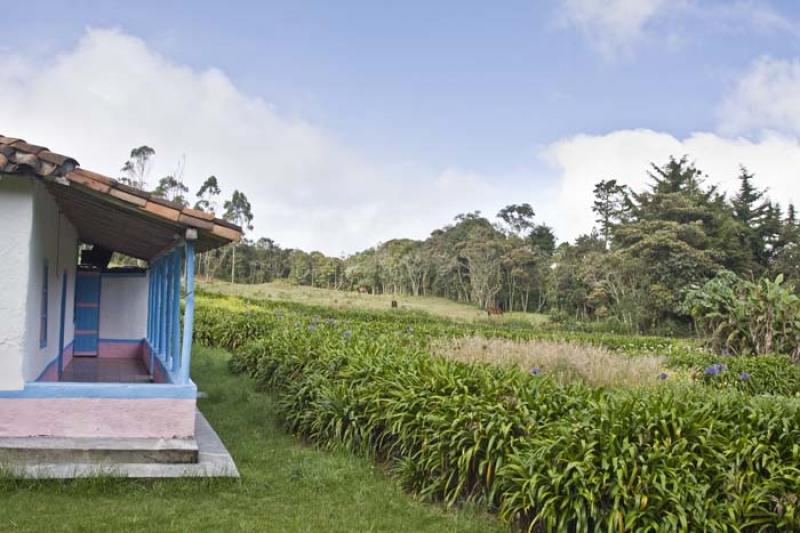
point(442, 307)
point(285, 486)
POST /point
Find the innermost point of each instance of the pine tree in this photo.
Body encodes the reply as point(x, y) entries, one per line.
point(748, 205)
point(611, 200)
point(791, 215)
point(759, 220)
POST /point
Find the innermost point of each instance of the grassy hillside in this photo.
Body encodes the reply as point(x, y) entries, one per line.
point(442, 307)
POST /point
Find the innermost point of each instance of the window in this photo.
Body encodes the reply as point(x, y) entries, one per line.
point(43, 324)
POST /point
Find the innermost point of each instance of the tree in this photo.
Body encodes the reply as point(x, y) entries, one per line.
point(679, 232)
point(518, 218)
point(206, 201)
point(483, 258)
point(791, 215)
point(137, 167)
point(543, 239)
point(759, 221)
point(207, 194)
point(609, 205)
point(173, 189)
point(239, 212)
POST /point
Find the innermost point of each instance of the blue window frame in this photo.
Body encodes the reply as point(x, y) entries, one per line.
point(43, 324)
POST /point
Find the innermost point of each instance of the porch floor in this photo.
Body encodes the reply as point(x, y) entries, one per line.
point(106, 370)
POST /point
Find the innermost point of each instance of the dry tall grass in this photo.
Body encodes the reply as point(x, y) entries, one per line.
point(564, 361)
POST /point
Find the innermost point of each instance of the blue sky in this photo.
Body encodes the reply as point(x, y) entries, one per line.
point(495, 93)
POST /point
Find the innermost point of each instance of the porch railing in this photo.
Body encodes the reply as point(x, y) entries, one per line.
point(167, 343)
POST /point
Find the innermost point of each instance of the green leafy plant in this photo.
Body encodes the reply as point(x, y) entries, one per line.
point(741, 317)
point(543, 455)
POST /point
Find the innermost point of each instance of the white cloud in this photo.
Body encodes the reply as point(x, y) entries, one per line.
point(612, 26)
point(766, 97)
point(112, 92)
point(583, 160)
point(615, 27)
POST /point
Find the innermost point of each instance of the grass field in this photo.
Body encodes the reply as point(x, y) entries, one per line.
point(442, 307)
point(285, 486)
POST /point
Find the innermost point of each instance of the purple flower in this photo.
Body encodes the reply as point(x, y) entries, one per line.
point(312, 327)
point(713, 370)
point(536, 371)
point(744, 376)
point(662, 376)
point(347, 334)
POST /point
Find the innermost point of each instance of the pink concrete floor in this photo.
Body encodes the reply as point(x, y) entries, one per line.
point(102, 370)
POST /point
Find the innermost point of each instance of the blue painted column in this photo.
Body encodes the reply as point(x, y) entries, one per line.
point(175, 338)
point(157, 307)
point(188, 316)
point(154, 293)
point(162, 335)
point(149, 335)
point(167, 309)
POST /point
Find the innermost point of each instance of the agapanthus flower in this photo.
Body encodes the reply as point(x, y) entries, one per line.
point(744, 376)
point(535, 371)
point(712, 370)
point(347, 334)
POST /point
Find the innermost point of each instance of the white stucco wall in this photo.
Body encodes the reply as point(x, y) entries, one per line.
point(123, 307)
point(54, 239)
point(16, 213)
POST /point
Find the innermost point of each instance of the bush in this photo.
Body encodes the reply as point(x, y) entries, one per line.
point(741, 317)
point(543, 455)
point(765, 374)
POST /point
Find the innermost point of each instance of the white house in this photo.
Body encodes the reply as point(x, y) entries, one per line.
point(88, 351)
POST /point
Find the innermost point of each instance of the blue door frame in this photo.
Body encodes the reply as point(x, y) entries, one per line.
point(87, 313)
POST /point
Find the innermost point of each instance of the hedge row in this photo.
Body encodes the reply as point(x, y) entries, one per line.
point(249, 320)
point(542, 455)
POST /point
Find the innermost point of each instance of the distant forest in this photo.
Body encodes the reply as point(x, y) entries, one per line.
point(648, 249)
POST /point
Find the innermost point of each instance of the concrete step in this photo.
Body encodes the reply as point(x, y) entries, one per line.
point(213, 461)
point(57, 450)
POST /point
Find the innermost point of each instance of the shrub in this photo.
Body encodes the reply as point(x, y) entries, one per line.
point(542, 454)
point(765, 374)
point(741, 317)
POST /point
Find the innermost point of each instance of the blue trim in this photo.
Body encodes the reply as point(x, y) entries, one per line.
point(138, 391)
point(60, 357)
point(162, 335)
point(188, 316)
point(164, 321)
point(149, 333)
point(175, 346)
point(55, 360)
point(43, 319)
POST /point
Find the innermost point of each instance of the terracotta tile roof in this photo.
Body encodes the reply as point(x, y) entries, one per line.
point(20, 157)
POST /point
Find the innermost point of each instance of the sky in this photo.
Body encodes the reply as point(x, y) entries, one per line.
point(354, 122)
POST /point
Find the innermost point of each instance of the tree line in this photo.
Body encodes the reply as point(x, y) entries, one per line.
point(648, 249)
